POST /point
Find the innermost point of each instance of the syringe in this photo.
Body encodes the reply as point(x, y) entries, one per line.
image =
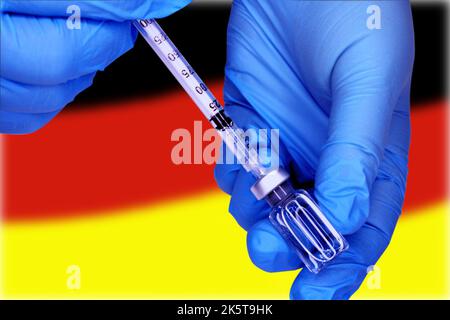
point(295, 214)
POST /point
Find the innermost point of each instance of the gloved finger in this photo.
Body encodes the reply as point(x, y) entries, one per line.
point(344, 275)
point(269, 251)
point(22, 123)
point(45, 52)
point(27, 108)
point(234, 180)
point(390, 186)
point(258, 135)
point(118, 10)
point(244, 207)
point(366, 86)
point(227, 167)
point(24, 98)
point(226, 170)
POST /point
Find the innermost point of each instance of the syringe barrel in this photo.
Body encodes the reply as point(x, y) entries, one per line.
point(179, 67)
point(200, 94)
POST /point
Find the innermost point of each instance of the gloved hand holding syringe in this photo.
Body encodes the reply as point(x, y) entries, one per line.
point(294, 214)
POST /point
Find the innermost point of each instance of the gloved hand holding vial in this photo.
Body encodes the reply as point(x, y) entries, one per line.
point(295, 215)
point(335, 87)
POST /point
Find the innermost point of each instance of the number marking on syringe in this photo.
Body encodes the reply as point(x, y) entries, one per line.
point(181, 69)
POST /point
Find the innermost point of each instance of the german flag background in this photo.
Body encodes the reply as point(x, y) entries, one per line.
point(93, 206)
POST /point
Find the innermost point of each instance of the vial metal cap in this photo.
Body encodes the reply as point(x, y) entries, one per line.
point(270, 181)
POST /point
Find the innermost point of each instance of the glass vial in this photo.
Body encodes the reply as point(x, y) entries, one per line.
point(299, 220)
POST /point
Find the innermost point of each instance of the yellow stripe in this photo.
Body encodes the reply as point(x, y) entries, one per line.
point(193, 249)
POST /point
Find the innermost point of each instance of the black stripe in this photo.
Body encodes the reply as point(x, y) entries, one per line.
point(139, 72)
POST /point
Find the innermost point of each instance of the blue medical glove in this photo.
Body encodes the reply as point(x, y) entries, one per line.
point(44, 64)
point(337, 87)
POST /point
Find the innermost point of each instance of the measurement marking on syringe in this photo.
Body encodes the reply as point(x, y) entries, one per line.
point(187, 73)
point(183, 71)
point(159, 39)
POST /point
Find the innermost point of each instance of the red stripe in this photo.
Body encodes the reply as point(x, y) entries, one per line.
point(103, 158)
point(119, 155)
point(427, 179)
